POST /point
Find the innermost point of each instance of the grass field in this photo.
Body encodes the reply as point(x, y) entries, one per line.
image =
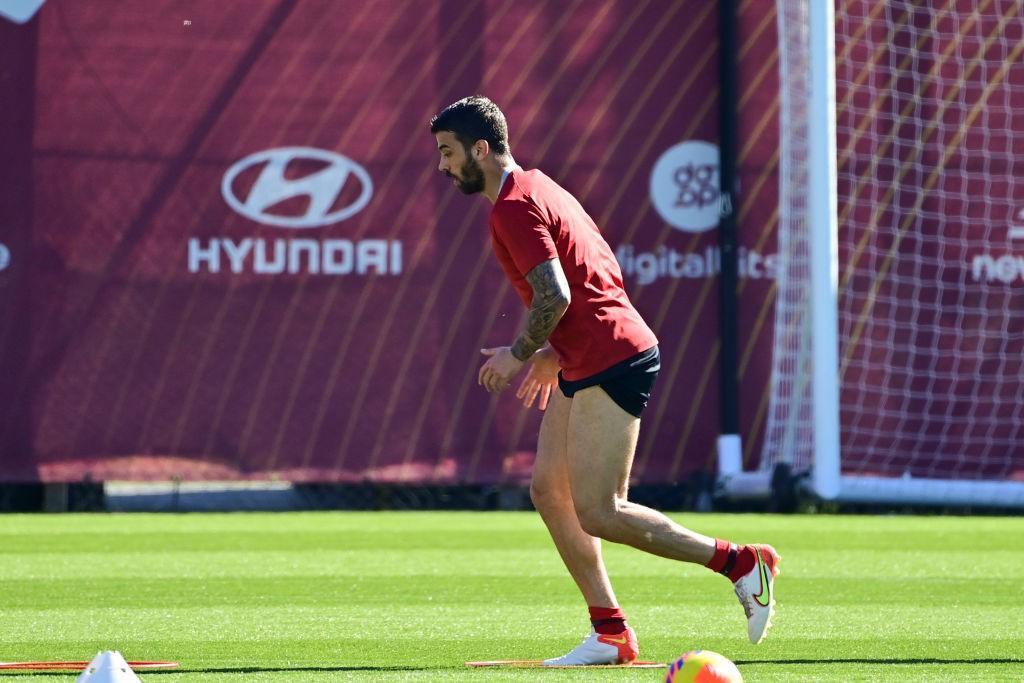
point(412, 596)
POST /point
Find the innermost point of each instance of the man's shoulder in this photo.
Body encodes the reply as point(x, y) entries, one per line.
point(514, 205)
point(533, 181)
point(528, 189)
point(528, 199)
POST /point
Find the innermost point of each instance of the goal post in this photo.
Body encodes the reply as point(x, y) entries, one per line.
point(898, 354)
point(822, 230)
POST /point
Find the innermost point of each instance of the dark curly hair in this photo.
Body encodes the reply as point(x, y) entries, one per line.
point(471, 119)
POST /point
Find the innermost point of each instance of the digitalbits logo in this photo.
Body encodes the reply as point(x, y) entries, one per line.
point(685, 186)
point(337, 189)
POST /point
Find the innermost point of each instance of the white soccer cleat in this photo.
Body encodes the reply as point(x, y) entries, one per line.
point(756, 591)
point(601, 648)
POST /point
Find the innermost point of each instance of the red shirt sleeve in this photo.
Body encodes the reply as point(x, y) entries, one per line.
point(523, 231)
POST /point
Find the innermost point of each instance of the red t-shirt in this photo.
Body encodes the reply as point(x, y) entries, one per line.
point(535, 220)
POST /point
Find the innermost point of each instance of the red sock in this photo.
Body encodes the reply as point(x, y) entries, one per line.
point(730, 560)
point(746, 559)
point(718, 561)
point(608, 620)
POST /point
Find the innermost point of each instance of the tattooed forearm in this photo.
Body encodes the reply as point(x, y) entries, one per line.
point(550, 300)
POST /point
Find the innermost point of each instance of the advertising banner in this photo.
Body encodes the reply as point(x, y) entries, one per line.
point(237, 258)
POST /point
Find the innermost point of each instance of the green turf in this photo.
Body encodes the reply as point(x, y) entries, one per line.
point(411, 596)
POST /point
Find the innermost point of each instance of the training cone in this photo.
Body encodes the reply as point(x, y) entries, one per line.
point(108, 667)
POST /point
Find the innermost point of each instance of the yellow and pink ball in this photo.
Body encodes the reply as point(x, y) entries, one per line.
point(703, 666)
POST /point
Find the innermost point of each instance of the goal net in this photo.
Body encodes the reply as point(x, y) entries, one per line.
point(928, 274)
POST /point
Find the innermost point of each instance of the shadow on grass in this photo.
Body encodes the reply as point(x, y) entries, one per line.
point(238, 670)
point(330, 669)
point(865, 660)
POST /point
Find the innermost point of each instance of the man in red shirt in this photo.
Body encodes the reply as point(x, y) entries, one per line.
point(592, 360)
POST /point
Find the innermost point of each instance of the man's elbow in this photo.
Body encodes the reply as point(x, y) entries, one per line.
point(561, 302)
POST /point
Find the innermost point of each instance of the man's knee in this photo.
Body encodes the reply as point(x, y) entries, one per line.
point(548, 495)
point(596, 520)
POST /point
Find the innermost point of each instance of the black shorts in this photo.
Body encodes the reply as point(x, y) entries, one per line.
point(628, 383)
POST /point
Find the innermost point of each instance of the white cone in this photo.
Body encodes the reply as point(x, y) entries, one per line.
point(108, 667)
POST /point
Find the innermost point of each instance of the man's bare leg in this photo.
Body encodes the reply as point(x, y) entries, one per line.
point(602, 440)
point(551, 495)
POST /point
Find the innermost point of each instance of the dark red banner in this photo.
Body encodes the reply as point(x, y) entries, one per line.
point(231, 254)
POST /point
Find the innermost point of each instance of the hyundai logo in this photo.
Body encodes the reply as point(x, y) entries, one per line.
point(322, 187)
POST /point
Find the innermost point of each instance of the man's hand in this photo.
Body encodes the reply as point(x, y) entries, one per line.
point(500, 368)
point(541, 379)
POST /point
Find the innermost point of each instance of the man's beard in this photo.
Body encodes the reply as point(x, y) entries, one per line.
point(472, 180)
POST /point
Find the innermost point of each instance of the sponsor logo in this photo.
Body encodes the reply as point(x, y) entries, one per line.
point(324, 189)
point(766, 583)
point(1008, 268)
point(296, 187)
point(618, 641)
point(20, 11)
point(1017, 225)
point(1004, 268)
point(273, 257)
point(663, 262)
point(5, 256)
point(685, 186)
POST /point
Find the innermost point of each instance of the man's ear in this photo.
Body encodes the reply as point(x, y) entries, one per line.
point(481, 148)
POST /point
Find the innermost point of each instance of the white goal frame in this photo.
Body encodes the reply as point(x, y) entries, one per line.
point(825, 478)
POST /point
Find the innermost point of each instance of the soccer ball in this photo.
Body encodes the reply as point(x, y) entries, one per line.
point(703, 666)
